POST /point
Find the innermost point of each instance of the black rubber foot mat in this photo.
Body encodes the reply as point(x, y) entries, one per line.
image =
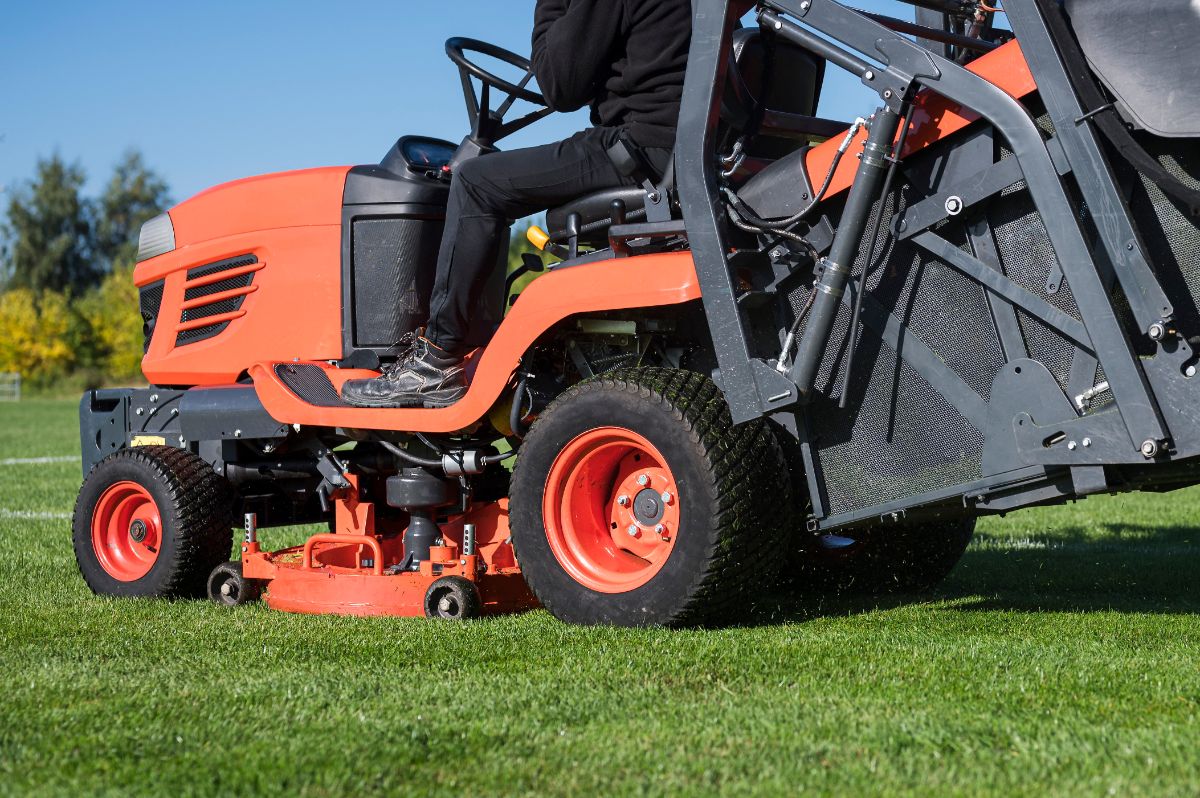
point(310, 383)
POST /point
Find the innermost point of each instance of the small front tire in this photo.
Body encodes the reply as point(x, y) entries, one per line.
point(452, 598)
point(227, 586)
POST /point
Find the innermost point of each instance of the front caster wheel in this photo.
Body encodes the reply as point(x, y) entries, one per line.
point(452, 598)
point(229, 588)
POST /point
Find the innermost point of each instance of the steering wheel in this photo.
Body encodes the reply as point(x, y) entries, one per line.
point(458, 47)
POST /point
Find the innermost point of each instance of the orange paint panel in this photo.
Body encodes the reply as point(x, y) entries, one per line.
point(935, 117)
point(617, 284)
point(266, 202)
point(295, 306)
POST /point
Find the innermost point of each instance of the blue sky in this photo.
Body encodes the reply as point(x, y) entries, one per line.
point(217, 90)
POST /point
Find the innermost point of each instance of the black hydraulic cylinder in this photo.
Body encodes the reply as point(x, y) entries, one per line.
point(836, 268)
point(813, 43)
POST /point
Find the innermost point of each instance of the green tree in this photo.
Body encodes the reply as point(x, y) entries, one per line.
point(33, 334)
point(47, 235)
point(134, 194)
point(112, 325)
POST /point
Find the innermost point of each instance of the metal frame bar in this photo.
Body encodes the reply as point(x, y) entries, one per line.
point(1093, 175)
point(1000, 285)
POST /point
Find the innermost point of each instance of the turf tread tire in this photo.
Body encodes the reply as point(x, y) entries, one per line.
point(745, 481)
point(913, 557)
point(195, 504)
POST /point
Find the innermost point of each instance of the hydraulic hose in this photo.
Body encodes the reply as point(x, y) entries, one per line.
point(407, 456)
point(776, 225)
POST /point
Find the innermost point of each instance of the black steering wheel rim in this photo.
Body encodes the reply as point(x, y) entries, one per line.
point(457, 49)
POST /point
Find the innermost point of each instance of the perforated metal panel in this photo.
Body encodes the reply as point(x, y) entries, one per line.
point(310, 383)
point(394, 260)
point(1171, 234)
point(1028, 259)
point(898, 435)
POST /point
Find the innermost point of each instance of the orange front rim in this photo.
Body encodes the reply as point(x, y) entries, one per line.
point(126, 531)
point(611, 510)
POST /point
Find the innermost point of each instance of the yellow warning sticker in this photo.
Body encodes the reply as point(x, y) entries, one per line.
point(148, 440)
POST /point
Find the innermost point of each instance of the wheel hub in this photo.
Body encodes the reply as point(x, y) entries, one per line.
point(127, 531)
point(137, 530)
point(611, 509)
point(648, 507)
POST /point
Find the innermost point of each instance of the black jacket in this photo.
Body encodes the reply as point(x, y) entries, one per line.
point(625, 58)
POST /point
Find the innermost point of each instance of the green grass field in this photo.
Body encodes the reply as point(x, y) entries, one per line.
point(1061, 658)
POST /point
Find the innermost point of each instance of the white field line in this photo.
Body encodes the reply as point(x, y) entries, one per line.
point(1099, 547)
point(13, 461)
point(32, 515)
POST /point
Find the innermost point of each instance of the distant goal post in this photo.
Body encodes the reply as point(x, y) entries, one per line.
point(10, 386)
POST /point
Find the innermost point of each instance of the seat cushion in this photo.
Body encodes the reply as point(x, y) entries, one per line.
point(595, 209)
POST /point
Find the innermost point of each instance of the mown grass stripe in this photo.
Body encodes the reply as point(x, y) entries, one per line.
point(14, 461)
point(32, 515)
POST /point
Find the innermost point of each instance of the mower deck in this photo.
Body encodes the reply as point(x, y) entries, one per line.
point(359, 569)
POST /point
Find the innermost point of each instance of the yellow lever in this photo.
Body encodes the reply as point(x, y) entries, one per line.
point(538, 237)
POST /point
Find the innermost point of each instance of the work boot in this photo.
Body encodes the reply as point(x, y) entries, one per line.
point(424, 376)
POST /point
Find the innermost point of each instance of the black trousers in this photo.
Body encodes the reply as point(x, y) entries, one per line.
point(488, 192)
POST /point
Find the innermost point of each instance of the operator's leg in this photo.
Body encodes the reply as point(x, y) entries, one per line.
point(489, 191)
point(486, 193)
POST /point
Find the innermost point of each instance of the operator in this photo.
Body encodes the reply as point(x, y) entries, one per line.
point(624, 58)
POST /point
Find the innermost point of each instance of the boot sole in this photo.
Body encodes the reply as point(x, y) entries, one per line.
point(426, 402)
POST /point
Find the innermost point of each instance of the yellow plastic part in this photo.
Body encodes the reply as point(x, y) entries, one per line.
point(538, 237)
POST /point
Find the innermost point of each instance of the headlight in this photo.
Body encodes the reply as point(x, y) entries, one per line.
point(157, 237)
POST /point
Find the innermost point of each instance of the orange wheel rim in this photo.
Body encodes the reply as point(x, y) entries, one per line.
point(126, 531)
point(611, 510)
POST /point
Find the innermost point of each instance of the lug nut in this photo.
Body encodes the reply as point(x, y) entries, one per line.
point(667, 497)
point(632, 530)
point(623, 501)
point(643, 480)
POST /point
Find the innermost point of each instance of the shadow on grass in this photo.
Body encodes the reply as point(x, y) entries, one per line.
point(1125, 568)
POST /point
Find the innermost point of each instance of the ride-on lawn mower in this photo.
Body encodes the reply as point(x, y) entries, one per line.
point(810, 346)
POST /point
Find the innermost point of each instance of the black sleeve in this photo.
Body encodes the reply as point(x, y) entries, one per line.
point(572, 41)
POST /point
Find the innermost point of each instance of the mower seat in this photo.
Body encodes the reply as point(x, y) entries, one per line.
point(796, 90)
point(595, 213)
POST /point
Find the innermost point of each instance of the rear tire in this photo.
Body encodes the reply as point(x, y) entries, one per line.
point(636, 501)
point(911, 557)
point(152, 521)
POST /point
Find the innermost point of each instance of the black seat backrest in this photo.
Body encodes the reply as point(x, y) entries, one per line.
point(794, 87)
